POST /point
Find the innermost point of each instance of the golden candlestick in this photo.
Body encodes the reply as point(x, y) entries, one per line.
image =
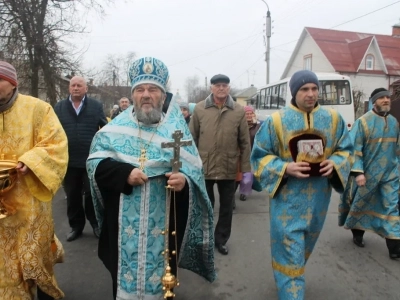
point(8, 177)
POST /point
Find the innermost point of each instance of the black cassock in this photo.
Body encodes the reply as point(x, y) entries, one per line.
point(111, 178)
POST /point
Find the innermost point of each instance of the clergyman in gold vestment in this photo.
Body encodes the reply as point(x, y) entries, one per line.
point(30, 133)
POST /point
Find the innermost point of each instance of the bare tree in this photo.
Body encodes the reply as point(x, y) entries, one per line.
point(115, 71)
point(34, 37)
point(358, 98)
point(194, 90)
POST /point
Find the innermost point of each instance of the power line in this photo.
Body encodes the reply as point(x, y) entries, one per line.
point(206, 53)
point(250, 67)
point(243, 53)
point(365, 14)
point(342, 23)
point(329, 28)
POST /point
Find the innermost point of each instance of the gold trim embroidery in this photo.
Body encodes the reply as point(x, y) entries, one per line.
point(384, 140)
point(288, 271)
point(375, 214)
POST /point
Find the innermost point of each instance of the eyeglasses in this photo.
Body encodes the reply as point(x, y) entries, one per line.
point(221, 85)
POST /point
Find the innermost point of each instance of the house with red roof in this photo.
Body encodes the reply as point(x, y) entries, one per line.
point(370, 60)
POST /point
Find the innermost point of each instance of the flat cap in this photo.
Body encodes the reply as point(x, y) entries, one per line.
point(219, 78)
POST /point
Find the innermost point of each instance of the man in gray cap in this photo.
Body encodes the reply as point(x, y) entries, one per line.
point(220, 131)
point(371, 197)
point(300, 153)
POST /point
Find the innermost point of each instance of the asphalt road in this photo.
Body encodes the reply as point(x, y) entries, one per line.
point(337, 269)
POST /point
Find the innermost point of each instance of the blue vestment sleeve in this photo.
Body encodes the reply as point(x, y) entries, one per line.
point(357, 135)
point(342, 157)
point(269, 168)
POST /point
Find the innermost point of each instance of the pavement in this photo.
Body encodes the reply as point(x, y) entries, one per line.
point(336, 270)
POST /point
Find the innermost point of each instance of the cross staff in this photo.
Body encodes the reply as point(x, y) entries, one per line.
point(176, 144)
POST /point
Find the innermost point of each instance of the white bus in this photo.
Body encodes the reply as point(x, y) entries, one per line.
point(334, 91)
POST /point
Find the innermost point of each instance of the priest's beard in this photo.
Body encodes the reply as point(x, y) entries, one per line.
point(382, 108)
point(151, 117)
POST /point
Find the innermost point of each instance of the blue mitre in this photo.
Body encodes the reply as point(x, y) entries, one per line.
point(149, 70)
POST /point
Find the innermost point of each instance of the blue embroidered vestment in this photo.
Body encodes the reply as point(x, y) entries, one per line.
point(298, 207)
point(373, 207)
point(142, 213)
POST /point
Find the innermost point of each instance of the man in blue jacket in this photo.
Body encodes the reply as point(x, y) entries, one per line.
point(81, 117)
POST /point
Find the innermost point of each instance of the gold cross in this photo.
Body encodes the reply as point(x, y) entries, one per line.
point(309, 191)
point(308, 216)
point(284, 218)
point(294, 289)
point(142, 159)
point(287, 193)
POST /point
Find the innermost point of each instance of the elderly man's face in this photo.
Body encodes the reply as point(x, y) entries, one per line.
point(148, 100)
point(6, 91)
point(220, 90)
point(307, 96)
point(77, 87)
point(382, 104)
point(124, 103)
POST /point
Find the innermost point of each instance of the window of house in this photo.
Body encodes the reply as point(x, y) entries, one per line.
point(369, 62)
point(307, 62)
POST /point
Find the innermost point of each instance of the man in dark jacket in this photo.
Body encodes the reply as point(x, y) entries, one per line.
point(123, 104)
point(81, 117)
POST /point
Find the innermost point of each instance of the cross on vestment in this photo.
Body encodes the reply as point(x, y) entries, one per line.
point(176, 144)
point(142, 159)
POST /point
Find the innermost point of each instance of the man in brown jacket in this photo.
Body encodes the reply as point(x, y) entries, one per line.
point(219, 128)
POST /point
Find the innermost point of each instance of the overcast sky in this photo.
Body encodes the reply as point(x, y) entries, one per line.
point(207, 37)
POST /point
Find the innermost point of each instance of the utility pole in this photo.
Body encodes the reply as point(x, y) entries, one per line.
point(268, 35)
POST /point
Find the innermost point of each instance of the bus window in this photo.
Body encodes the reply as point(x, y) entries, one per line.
point(334, 92)
point(274, 97)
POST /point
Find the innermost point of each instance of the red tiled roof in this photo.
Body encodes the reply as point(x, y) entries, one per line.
point(346, 49)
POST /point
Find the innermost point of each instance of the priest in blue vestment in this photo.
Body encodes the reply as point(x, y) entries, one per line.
point(300, 153)
point(370, 201)
point(129, 171)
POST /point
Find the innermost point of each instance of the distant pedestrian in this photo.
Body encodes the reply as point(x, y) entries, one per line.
point(81, 117)
point(124, 103)
point(112, 111)
point(221, 133)
point(185, 111)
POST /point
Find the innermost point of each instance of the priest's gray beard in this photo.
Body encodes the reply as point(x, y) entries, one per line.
point(152, 117)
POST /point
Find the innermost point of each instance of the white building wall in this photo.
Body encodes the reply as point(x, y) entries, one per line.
point(319, 62)
point(368, 82)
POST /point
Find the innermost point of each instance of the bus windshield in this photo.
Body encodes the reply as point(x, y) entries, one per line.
point(334, 92)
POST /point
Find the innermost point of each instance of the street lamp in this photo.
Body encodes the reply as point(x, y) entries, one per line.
point(204, 75)
point(268, 34)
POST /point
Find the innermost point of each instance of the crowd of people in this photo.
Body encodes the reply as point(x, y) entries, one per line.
point(152, 207)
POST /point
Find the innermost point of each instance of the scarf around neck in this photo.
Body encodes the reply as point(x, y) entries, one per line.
point(10, 102)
